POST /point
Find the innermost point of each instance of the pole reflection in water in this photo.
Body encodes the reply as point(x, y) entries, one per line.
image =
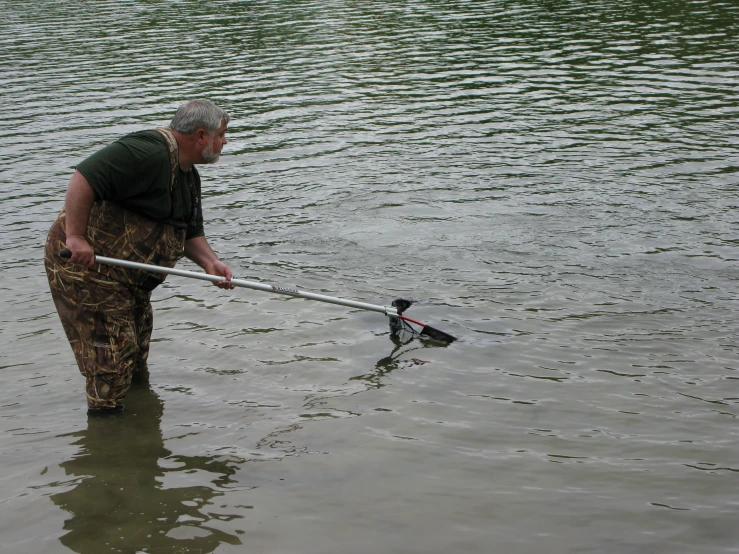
point(392, 361)
point(120, 502)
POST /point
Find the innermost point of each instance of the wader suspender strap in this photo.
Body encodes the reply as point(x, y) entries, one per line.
point(174, 161)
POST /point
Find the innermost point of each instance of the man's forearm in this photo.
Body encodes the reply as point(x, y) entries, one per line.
point(77, 204)
point(199, 251)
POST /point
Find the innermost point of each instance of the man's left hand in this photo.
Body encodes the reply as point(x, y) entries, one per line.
point(222, 270)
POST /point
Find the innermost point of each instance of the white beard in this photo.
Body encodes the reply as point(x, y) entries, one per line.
point(209, 156)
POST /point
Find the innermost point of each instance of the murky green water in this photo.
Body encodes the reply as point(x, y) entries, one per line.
point(553, 182)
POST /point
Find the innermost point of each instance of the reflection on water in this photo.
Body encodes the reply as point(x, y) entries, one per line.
point(398, 357)
point(122, 502)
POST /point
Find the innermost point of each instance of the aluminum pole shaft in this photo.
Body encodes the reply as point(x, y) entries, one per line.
point(387, 310)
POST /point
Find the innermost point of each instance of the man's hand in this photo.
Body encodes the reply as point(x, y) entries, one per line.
point(222, 270)
point(82, 252)
point(198, 250)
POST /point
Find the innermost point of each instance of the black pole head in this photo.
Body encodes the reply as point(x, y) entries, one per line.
point(401, 304)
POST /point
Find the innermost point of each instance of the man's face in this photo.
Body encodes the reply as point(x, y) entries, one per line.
point(215, 143)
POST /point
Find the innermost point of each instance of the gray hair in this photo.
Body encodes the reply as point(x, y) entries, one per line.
point(197, 114)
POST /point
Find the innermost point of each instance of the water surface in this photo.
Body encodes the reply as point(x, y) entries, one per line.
point(553, 182)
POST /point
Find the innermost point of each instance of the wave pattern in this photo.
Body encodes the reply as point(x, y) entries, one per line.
point(554, 182)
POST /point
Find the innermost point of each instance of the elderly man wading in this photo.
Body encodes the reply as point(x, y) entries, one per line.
point(137, 199)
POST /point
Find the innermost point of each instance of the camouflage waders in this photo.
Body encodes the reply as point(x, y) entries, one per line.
point(105, 310)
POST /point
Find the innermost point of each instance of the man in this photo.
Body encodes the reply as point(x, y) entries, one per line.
point(137, 199)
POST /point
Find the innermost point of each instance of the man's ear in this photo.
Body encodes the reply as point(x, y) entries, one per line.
point(201, 134)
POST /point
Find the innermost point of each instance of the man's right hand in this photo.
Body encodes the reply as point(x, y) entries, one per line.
point(82, 252)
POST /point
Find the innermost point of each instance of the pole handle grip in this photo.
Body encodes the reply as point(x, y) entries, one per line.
point(64, 253)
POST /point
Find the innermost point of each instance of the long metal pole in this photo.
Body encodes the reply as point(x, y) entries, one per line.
point(387, 310)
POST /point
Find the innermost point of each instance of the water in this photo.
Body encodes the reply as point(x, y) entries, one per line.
point(553, 182)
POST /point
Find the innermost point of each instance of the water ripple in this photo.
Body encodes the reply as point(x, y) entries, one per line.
point(553, 182)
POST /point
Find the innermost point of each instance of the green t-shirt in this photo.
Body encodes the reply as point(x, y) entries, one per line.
point(134, 173)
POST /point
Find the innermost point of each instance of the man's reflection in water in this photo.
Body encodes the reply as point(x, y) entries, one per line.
point(119, 503)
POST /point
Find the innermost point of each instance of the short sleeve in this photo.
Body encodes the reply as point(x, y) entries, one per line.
point(124, 169)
